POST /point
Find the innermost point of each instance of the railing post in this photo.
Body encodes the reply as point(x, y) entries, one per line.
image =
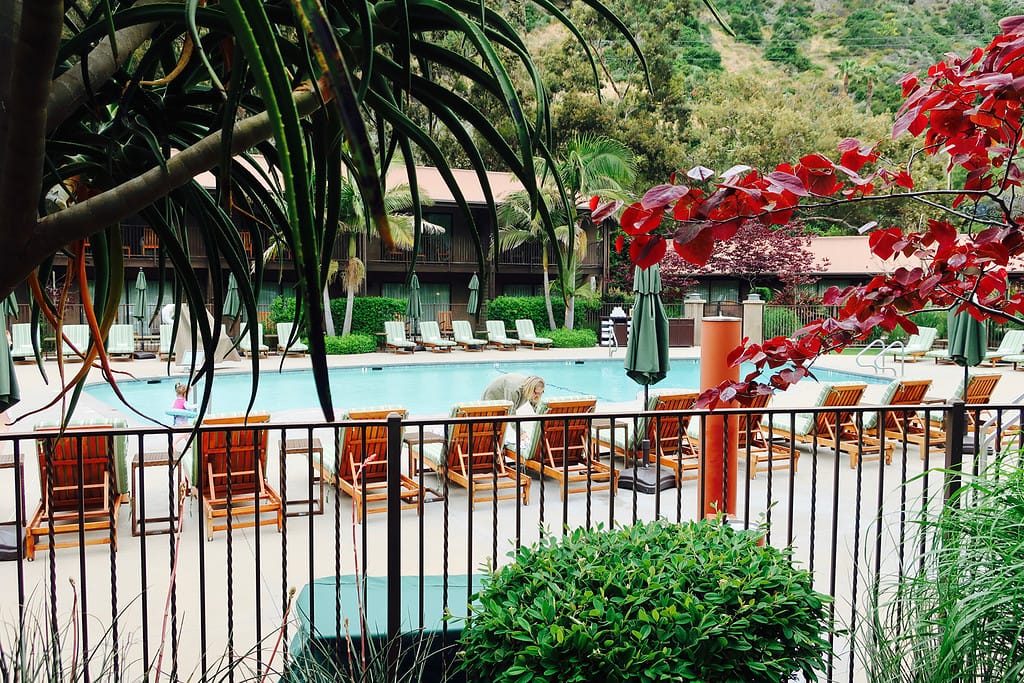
point(394, 523)
point(956, 432)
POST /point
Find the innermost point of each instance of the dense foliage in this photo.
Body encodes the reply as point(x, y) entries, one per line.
point(511, 308)
point(572, 339)
point(350, 343)
point(649, 602)
point(369, 313)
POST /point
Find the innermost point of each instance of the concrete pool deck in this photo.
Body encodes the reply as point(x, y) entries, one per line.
point(259, 571)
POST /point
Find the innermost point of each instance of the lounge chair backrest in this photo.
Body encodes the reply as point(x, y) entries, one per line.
point(242, 439)
point(363, 450)
point(121, 339)
point(284, 334)
point(78, 335)
point(980, 388)
point(899, 392)
point(165, 337)
point(473, 446)
point(429, 330)
point(1012, 343)
point(395, 330)
point(922, 340)
point(462, 330)
point(245, 341)
point(839, 394)
point(444, 321)
point(100, 454)
point(556, 433)
point(21, 340)
point(496, 330)
point(669, 431)
point(524, 328)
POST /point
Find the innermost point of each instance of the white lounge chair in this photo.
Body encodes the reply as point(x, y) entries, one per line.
point(166, 349)
point(121, 341)
point(284, 333)
point(430, 334)
point(78, 337)
point(916, 347)
point(394, 331)
point(245, 341)
point(497, 338)
point(1012, 344)
point(21, 340)
point(528, 336)
point(464, 336)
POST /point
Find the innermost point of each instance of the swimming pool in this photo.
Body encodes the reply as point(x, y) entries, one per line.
point(422, 389)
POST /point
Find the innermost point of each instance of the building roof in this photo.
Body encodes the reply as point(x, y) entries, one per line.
point(850, 256)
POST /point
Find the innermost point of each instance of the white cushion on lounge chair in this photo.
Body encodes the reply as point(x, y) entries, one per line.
point(526, 333)
point(78, 336)
point(121, 340)
point(496, 334)
point(395, 333)
point(464, 333)
point(431, 335)
point(166, 339)
point(284, 333)
point(1011, 344)
point(801, 423)
point(245, 342)
point(435, 452)
point(21, 340)
point(918, 344)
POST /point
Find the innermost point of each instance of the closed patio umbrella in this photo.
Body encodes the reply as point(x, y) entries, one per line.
point(474, 295)
point(10, 308)
point(232, 304)
point(646, 364)
point(9, 392)
point(140, 300)
point(413, 308)
point(968, 340)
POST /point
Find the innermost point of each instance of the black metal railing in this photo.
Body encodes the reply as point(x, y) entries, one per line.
point(198, 607)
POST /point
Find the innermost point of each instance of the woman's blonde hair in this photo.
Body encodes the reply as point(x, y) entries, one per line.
point(181, 389)
point(530, 385)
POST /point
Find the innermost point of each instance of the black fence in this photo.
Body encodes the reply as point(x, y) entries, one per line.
point(280, 577)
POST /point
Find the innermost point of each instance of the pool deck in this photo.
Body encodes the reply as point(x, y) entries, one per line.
point(35, 394)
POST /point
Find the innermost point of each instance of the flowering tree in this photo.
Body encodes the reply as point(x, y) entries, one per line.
point(968, 109)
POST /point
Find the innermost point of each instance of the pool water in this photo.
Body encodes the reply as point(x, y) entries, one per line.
point(422, 389)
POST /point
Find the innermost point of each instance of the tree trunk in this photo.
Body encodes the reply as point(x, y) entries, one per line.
point(350, 300)
point(570, 312)
point(547, 288)
point(328, 318)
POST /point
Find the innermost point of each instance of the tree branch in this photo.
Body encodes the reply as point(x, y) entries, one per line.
point(10, 24)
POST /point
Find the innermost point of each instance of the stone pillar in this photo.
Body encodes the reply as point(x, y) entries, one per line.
point(753, 318)
point(693, 308)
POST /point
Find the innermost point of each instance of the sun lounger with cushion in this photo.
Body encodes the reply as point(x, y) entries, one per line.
point(919, 344)
point(77, 337)
point(463, 332)
point(430, 337)
point(394, 331)
point(121, 341)
point(928, 430)
point(21, 341)
point(245, 341)
point(285, 343)
point(497, 338)
point(754, 442)
point(528, 336)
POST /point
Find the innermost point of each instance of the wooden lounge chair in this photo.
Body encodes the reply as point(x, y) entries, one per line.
point(919, 344)
point(362, 464)
point(896, 424)
point(245, 341)
point(394, 331)
point(444, 323)
point(833, 429)
point(21, 341)
point(78, 468)
point(231, 474)
point(285, 343)
point(667, 435)
point(927, 430)
point(430, 337)
point(473, 455)
point(463, 332)
point(753, 441)
point(121, 341)
point(560, 448)
point(528, 336)
point(497, 338)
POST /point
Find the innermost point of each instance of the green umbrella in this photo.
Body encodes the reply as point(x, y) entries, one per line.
point(647, 363)
point(232, 304)
point(474, 295)
point(140, 299)
point(647, 348)
point(968, 339)
point(10, 308)
point(9, 392)
point(413, 308)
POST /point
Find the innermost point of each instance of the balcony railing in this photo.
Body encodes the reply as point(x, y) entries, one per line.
point(195, 607)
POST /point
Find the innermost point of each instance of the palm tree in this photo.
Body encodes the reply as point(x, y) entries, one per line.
point(589, 165)
point(125, 103)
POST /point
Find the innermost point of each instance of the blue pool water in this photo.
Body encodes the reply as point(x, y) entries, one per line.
point(422, 389)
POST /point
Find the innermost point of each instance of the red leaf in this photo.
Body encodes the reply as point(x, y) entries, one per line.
point(637, 220)
point(700, 173)
point(620, 240)
point(660, 196)
point(694, 249)
point(788, 182)
point(593, 202)
point(646, 250)
point(599, 213)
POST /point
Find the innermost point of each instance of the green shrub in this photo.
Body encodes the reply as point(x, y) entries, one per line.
point(350, 343)
point(510, 308)
point(282, 310)
point(571, 339)
point(369, 313)
point(650, 602)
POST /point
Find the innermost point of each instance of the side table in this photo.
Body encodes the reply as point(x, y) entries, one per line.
point(605, 425)
point(168, 523)
point(303, 446)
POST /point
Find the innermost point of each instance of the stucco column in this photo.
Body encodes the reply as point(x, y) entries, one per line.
point(693, 308)
point(753, 318)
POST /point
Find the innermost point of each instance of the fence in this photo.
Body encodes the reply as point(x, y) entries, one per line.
point(193, 607)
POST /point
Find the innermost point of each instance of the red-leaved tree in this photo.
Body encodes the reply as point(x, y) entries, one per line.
point(969, 109)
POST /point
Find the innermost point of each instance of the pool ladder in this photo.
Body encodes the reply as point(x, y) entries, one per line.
point(878, 360)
